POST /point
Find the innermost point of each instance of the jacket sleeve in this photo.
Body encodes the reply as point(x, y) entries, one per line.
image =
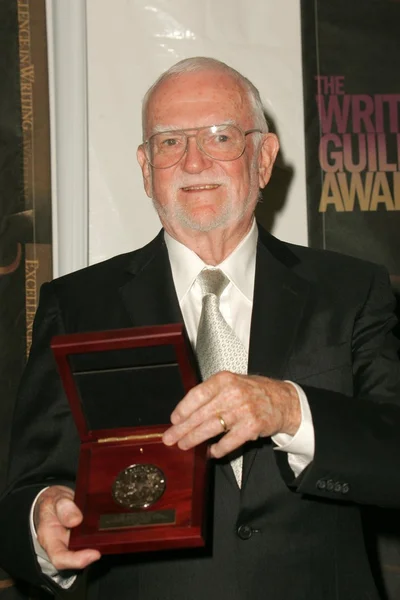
point(357, 439)
point(42, 429)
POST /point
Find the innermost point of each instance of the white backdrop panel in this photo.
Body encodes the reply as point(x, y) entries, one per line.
point(130, 42)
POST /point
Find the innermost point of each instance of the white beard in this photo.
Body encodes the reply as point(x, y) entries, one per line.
point(176, 211)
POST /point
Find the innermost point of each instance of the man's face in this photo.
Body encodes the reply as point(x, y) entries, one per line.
point(200, 193)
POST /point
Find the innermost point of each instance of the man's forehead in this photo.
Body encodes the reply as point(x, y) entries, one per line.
point(198, 87)
point(211, 97)
point(164, 127)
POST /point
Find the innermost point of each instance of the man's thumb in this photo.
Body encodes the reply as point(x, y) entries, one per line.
point(68, 513)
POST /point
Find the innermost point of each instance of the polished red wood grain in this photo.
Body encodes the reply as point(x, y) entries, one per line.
point(185, 474)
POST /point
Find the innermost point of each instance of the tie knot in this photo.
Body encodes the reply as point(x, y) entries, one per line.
point(212, 281)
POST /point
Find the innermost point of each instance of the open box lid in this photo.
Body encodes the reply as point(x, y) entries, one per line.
point(121, 379)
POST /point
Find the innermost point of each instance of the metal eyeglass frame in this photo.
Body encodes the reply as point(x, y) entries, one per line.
point(195, 135)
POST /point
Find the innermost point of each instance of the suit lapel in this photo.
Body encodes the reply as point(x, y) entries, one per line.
point(149, 296)
point(280, 296)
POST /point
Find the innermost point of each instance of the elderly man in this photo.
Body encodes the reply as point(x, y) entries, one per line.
point(298, 361)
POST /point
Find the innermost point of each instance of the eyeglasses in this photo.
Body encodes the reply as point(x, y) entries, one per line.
point(220, 142)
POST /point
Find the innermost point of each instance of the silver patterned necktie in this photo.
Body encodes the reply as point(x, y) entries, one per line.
point(218, 348)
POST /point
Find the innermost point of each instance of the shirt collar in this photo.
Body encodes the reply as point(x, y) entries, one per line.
point(239, 266)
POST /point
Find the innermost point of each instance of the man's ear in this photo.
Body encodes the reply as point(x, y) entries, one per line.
point(146, 170)
point(268, 152)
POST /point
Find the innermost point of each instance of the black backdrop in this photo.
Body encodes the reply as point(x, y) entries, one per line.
point(351, 67)
point(25, 203)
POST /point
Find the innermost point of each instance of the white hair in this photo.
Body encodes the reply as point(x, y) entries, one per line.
point(203, 63)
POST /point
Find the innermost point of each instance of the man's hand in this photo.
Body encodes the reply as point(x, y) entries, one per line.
point(250, 405)
point(54, 515)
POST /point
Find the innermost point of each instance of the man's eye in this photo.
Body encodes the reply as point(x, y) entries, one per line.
point(221, 138)
point(170, 142)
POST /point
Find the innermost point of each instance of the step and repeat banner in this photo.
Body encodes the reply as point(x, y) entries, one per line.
point(351, 78)
point(25, 199)
point(351, 67)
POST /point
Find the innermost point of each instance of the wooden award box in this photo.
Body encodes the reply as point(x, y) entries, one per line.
point(135, 493)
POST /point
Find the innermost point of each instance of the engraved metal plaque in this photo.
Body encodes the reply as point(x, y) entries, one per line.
point(139, 486)
point(137, 519)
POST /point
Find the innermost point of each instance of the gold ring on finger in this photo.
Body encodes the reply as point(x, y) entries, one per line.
point(224, 425)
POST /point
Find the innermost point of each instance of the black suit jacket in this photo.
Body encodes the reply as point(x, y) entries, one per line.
point(320, 319)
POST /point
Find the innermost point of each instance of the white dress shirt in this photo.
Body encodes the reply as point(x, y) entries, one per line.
point(236, 305)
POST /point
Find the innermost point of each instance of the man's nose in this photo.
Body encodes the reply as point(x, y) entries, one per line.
point(194, 160)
